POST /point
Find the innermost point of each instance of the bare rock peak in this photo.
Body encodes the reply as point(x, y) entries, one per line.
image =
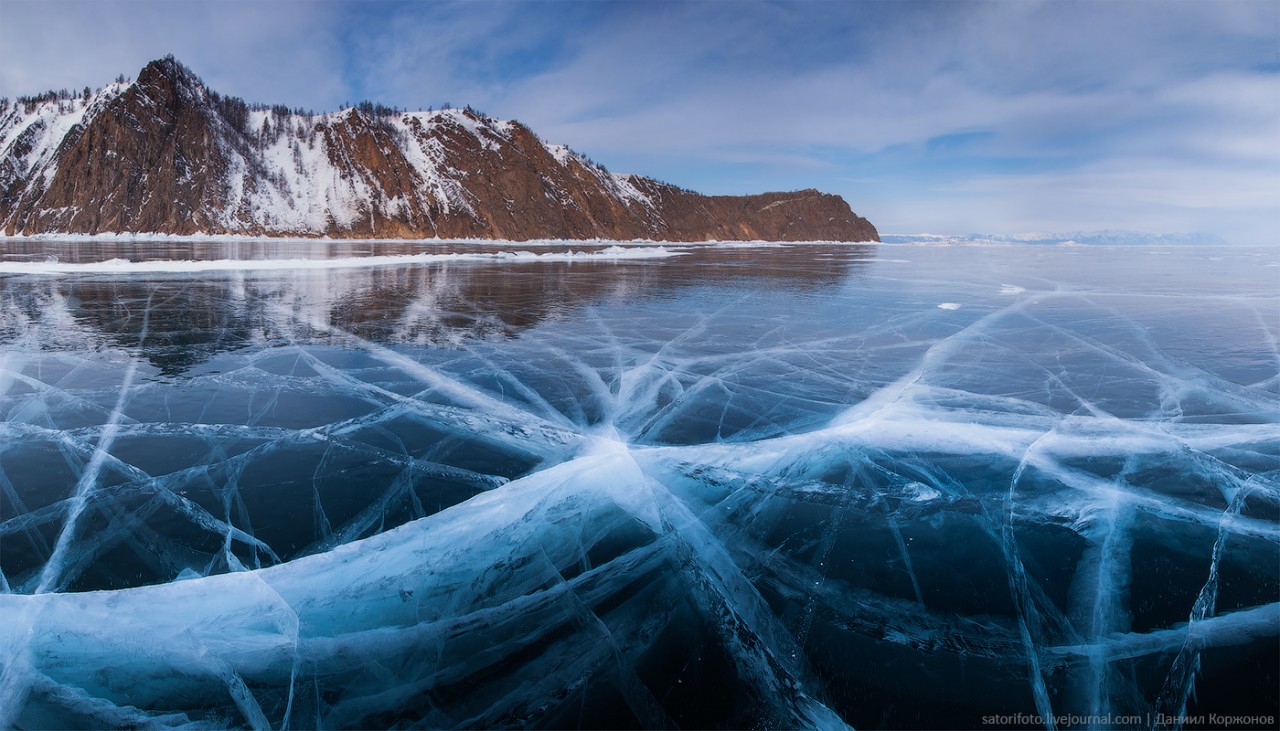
point(168, 67)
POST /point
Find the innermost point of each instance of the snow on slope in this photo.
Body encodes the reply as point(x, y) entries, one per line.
point(40, 129)
point(302, 188)
point(426, 153)
point(307, 191)
point(619, 185)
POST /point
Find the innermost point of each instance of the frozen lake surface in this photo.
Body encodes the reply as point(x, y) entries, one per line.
point(378, 485)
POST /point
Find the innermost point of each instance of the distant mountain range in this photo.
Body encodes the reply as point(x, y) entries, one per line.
point(1092, 238)
point(165, 154)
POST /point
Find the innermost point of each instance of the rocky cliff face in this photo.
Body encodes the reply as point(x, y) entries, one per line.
point(164, 154)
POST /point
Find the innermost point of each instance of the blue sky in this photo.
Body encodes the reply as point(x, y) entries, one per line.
point(952, 117)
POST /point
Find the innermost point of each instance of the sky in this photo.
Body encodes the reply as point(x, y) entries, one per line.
point(944, 117)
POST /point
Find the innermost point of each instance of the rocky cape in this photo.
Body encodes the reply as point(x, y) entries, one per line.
point(165, 155)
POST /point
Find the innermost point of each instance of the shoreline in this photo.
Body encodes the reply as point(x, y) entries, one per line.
point(924, 240)
point(239, 238)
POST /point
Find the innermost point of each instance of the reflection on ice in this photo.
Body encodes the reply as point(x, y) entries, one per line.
point(736, 488)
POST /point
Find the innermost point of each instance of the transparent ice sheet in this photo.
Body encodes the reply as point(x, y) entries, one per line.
point(771, 486)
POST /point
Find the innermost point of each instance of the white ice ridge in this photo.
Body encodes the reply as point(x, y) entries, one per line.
point(125, 266)
point(373, 600)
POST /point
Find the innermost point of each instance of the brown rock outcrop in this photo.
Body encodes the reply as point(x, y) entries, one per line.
point(166, 155)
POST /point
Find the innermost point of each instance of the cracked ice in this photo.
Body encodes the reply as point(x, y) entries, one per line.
point(785, 486)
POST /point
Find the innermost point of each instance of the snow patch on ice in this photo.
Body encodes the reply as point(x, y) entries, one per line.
point(118, 266)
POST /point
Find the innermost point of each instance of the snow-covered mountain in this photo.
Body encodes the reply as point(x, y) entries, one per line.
point(165, 154)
